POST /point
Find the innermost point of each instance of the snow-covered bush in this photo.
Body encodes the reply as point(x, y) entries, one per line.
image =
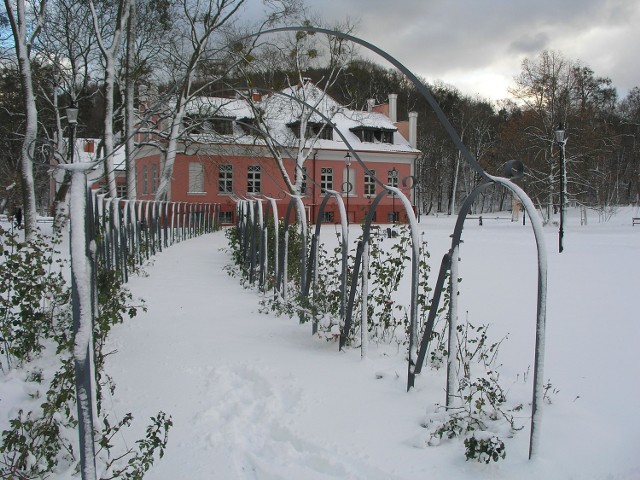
point(479, 413)
point(40, 437)
point(32, 297)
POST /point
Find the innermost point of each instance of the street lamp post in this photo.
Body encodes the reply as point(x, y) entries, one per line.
point(82, 305)
point(347, 161)
point(561, 141)
point(72, 119)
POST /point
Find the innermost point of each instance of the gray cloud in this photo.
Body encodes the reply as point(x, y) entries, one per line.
point(530, 44)
point(478, 45)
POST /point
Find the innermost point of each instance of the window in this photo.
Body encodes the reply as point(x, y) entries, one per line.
point(154, 178)
point(392, 179)
point(392, 217)
point(222, 126)
point(314, 129)
point(197, 124)
point(324, 132)
point(303, 187)
point(248, 125)
point(196, 177)
point(369, 183)
point(368, 136)
point(386, 136)
point(327, 217)
point(121, 190)
point(254, 179)
point(326, 179)
point(374, 135)
point(145, 180)
point(225, 218)
point(225, 178)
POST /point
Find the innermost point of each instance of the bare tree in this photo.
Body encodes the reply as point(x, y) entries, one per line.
point(67, 46)
point(148, 26)
point(544, 87)
point(298, 105)
point(25, 27)
point(203, 40)
point(110, 26)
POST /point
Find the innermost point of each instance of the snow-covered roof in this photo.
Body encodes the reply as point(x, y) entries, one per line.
point(286, 108)
point(219, 107)
point(371, 120)
point(289, 104)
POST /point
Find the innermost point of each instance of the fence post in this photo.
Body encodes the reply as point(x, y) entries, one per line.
point(83, 307)
point(452, 381)
point(364, 322)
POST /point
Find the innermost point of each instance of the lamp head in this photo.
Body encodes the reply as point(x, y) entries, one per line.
point(559, 134)
point(72, 115)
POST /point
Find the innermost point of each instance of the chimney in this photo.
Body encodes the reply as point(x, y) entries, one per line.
point(371, 102)
point(413, 129)
point(393, 107)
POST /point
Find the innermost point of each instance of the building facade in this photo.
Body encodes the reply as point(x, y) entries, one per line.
point(298, 141)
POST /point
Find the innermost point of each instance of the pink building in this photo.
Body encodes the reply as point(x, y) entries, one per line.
point(223, 159)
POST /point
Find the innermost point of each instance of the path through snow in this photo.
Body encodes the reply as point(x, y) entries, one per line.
point(253, 396)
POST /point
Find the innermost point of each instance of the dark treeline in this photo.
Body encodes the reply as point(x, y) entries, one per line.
point(602, 131)
point(602, 151)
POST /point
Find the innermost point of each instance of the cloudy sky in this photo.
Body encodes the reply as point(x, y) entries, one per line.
point(478, 45)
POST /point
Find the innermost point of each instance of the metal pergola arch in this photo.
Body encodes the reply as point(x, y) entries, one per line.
point(447, 263)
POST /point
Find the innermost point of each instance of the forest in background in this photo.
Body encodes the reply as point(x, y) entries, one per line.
point(98, 57)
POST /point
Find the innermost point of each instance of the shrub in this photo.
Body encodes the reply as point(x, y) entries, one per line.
point(36, 324)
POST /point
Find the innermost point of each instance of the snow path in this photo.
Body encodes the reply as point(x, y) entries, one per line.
point(244, 396)
point(253, 396)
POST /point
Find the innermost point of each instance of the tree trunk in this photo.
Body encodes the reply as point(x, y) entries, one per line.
point(20, 33)
point(129, 109)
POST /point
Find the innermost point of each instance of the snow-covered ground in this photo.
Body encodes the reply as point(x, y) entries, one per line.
point(255, 396)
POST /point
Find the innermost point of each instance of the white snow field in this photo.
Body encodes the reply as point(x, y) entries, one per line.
point(253, 396)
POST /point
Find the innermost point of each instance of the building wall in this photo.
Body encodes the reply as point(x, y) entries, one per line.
point(273, 185)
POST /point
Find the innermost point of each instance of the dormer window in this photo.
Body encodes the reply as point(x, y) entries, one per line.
point(314, 130)
point(198, 124)
point(374, 134)
point(248, 125)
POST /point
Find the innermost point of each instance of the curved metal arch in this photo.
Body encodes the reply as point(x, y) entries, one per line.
point(366, 234)
point(541, 315)
point(415, 261)
point(272, 206)
point(421, 87)
point(299, 206)
point(333, 125)
point(447, 264)
point(261, 240)
point(329, 194)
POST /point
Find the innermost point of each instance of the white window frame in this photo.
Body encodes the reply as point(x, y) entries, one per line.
point(326, 178)
point(392, 179)
point(154, 178)
point(254, 179)
point(145, 180)
point(225, 178)
point(369, 183)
